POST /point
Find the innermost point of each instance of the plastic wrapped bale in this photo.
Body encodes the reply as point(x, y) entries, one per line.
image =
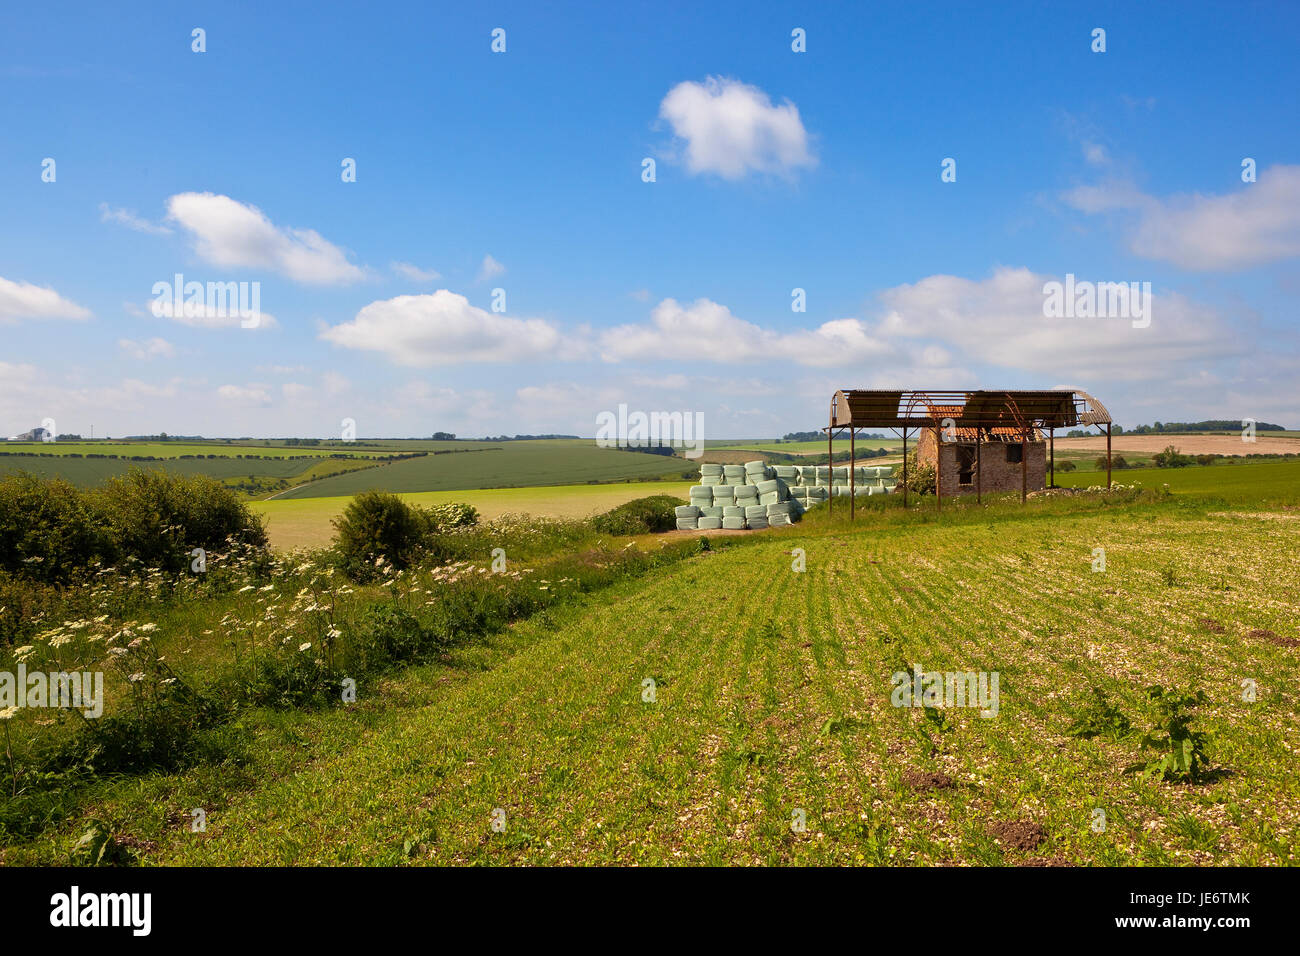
point(799, 493)
point(710, 524)
point(823, 475)
point(700, 491)
point(733, 512)
point(723, 494)
point(756, 511)
point(787, 473)
point(702, 502)
point(770, 498)
point(733, 474)
point(746, 493)
point(687, 511)
point(708, 468)
point(777, 521)
point(778, 508)
point(687, 524)
point(889, 484)
point(768, 485)
point(756, 524)
point(710, 480)
point(733, 524)
point(841, 474)
point(796, 508)
point(819, 493)
point(714, 511)
point(861, 490)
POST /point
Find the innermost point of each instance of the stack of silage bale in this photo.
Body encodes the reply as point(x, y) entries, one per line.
point(755, 495)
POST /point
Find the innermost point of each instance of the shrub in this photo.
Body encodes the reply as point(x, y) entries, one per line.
point(641, 516)
point(378, 525)
point(158, 518)
point(1065, 466)
point(48, 531)
point(1171, 457)
point(920, 476)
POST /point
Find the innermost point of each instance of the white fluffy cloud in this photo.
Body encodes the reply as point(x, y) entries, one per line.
point(233, 234)
point(999, 321)
point(1257, 224)
point(22, 300)
point(732, 129)
point(442, 328)
point(704, 330)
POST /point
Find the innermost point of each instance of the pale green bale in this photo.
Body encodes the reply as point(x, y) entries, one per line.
point(687, 511)
point(733, 512)
point(756, 524)
point(769, 485)
point(779, 520)
point(778, 508)
point(714, 511)
point(687, 524)
point(770, 498)
point(710, 480)
point(734, 474)
point(756, 511)
point(787, 473)
point(734, 524)
point(710, 524)
point(744, 492)
point(708, 468)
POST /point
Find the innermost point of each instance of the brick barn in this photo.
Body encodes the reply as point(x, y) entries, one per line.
point(995, 451)
point(978, 441)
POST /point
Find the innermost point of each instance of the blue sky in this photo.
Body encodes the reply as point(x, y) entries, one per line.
point(522, 171)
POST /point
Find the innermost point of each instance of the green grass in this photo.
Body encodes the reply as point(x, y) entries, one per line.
point(307, 522)
point(221, 449)
point(505, 465)
point(773, 696)
point(1266, 481)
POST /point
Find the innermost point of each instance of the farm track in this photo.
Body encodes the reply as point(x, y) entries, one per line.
point(772, 698)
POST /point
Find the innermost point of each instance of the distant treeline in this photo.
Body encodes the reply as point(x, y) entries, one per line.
point(820, 436)
point(1161, 428)
point(77, 454)
point(519, 437)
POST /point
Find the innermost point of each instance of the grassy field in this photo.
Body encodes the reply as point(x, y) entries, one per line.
point(772, 705)
point(169, 449)
point(307, 522)
point(507, 465)
point(1264, 481)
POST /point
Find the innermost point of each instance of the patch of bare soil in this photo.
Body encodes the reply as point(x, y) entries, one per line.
point(1213, 626)
point(1272, 638)
point(920, 780)
point(1018, 834)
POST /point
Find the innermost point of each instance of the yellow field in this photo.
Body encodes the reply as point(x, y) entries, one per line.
point(306, 522)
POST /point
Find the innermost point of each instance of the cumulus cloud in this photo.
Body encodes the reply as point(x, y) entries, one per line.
point(415, 273)
point(733, 129)
point(233, 234)
point(706, 330)
point(999, 321)
point(128, 218)
point(490, 269)
point(442, 328)
point(151, 348)
point(22, 300)
point(1257, 224)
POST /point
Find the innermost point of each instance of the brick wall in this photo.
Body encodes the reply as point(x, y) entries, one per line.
point(999, 475)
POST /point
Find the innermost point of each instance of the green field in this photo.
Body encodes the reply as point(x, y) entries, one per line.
point(773, 704)
point(308, 522)
point(221, 449)
point(506, 465)
point(1266, 481)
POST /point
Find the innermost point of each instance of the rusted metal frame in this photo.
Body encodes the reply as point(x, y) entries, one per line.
point(938, 471)
point(853, 455)
point(1051, 445)
point(979, 469)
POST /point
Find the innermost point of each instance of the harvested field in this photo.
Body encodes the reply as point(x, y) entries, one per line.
point(1187, 444)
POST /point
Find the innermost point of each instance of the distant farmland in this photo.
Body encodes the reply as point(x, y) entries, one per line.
point(514, 464)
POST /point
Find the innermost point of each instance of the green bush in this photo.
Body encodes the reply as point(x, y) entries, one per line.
point(642, 516)
point(158, 518)
point(52, 532)
point(48, 531)
point(378, 527)
point(920, 476)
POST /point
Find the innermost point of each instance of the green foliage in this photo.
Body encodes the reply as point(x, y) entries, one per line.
point(1066, 465)
point(920, 475)
point(1180, 754)
point(97, 847)
point(1171, 457)
point(1100, 718)
point(53, 532)
point(376, 528)
point(649, 515)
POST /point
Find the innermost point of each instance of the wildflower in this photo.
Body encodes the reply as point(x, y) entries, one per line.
point(137, 677)
point(305, 646)
point(8, 712)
